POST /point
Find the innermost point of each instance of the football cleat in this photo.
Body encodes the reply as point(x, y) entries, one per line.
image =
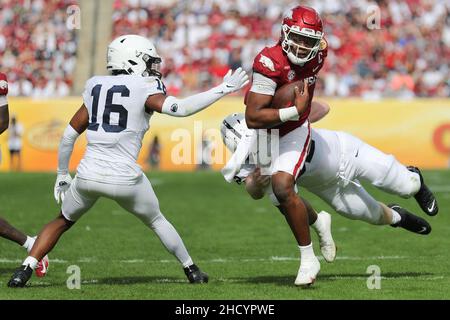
point(307, 273)
point(195, 275)
point(327, 245)
point(42, 267)
point(20, 277)
point(410, 222)
point(424, 196)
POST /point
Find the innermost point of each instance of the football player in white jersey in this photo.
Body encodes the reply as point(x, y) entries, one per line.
point(116, 113)
point(7, 231)
point(335, 164)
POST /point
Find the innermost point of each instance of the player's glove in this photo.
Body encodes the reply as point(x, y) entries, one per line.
point(62, 184)
point(234, 81)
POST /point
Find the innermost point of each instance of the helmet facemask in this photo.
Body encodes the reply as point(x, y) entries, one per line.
point(300, 46)
point(153, 66)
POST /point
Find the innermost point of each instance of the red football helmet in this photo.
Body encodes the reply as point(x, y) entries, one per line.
point(301, 33)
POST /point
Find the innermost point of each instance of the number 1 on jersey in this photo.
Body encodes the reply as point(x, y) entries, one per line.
point(93, 125)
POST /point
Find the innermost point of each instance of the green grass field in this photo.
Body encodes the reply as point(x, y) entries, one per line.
point(244, 245)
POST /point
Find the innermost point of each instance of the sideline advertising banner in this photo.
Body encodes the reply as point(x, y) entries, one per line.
point(416, 132)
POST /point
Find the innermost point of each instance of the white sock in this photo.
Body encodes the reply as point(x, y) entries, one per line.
point(307, 253)
point(32, 262)
point(171, 240)
point(316, 226)
point(395, 217)
point(29, 243)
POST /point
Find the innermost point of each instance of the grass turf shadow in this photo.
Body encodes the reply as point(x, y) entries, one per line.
point(288, 280)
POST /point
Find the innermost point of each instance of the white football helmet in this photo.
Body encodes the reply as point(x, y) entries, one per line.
point(133, 54)
point(233, 127)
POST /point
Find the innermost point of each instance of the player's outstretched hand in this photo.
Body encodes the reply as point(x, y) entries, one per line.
point(301, 98)
point(234, 81)
point(62, 184)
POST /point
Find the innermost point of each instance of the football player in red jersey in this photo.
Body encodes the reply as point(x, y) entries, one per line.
point(299, 55)
point(7, 231)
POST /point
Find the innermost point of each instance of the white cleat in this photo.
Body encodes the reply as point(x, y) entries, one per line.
point(327, 245)
point(307, 273)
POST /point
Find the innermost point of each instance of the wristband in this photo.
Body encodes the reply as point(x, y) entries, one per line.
point(287, 114)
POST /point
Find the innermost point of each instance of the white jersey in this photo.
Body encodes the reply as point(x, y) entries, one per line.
point(322, 163)
point(324, 158)
point(117, 124)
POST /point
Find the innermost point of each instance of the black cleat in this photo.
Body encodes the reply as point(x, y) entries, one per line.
point(410, 222)
point(20, 277)
point(424, 196)
point(195, 275)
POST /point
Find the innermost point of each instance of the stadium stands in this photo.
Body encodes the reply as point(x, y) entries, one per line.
point(38, 51)
point(408, 56)
point(200, 39)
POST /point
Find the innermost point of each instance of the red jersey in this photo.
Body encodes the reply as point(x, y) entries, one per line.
point(273, 63)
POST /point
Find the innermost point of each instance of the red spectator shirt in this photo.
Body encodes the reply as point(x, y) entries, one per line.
point(273, 63)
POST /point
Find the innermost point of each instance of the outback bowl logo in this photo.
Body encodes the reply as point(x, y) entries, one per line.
point(441, 138)
point(46, 135)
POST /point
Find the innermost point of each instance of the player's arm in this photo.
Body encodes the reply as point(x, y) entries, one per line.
point(255, 184)
point(318, 111)
point(4, 111)
point(78, 124)
point(190, 105)
point(259, 115)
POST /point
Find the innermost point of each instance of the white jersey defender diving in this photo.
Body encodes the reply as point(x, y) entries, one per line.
point(335, 165)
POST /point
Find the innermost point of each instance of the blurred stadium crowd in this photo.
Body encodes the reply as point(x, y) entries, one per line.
point(200, 39)
point(37, 50)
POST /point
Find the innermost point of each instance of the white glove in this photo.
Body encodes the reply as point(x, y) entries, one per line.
point(234, 81)
point(62, 184)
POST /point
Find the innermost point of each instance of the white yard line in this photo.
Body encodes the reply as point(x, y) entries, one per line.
point(217, 260)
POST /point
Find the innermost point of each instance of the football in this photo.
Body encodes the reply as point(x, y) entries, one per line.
point(284, 96)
